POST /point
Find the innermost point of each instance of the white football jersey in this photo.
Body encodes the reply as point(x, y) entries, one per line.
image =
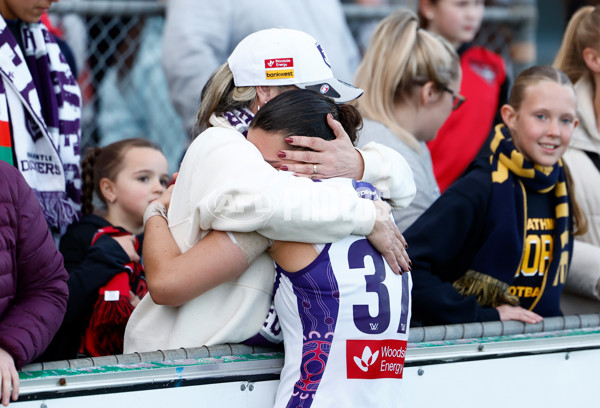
point(345, 321)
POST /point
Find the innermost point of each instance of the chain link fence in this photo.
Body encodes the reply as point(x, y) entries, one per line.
point(117, 46)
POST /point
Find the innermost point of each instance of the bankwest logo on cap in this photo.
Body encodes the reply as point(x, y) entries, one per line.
point(287, 63)
point(279, 74)
point(280, 56)
point(370, 359)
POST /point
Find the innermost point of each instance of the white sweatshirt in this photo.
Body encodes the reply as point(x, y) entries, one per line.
point(225, 184)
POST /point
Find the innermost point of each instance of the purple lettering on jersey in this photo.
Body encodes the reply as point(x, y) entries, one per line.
point(363, 320)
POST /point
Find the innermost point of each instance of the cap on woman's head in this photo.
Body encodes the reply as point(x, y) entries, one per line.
point(281, 56)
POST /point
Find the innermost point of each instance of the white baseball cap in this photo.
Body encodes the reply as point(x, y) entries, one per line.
point(281, 56)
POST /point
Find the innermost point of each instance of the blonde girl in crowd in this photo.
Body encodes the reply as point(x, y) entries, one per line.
point(497, 244)
point(408, 98)
point(484, 84)
point(579, 58)
point(125, 177)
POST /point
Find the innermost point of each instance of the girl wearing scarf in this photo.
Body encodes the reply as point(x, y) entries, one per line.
point(497, 245)
point(39, 111)
point(102, 251)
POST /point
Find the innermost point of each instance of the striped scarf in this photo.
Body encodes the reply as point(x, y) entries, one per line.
point(494, 266)
point(240, 119)
point(6, 150)
point(40, 120)
point(106, 329)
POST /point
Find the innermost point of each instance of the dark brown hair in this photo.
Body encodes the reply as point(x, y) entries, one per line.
point(303, 112)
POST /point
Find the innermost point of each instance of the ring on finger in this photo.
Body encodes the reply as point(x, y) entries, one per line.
point(314, 169)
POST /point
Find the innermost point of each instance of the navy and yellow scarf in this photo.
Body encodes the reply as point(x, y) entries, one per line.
point(494, 266)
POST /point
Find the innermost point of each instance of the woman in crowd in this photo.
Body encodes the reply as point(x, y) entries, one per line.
point(33, 294)
point(579, 58)
point(408, 98)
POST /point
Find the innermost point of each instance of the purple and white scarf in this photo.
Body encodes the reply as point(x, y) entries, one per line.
point(43, 102)
point(240, 119)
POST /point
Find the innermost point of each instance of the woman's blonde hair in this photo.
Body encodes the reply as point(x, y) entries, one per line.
point(583, 31)
point(220, 95)
point(401, 55)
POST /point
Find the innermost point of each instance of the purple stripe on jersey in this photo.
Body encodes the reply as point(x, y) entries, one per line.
point(318, 295)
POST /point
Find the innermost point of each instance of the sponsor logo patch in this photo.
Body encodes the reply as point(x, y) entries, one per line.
point(279, 74)
point(370, 359)
point(324, 89)
point(279, 63)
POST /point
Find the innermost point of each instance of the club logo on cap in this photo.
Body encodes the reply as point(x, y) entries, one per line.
point(322, 51)
point(324, 89)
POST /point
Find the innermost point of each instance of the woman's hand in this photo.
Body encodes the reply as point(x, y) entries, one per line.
point(388, 240)
point(165, 198)
point(509, 312)
point(9, 377)
point(127, 242)
point(327, 159)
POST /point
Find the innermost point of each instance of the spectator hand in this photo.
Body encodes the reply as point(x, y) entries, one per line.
point(509, 312)
point(127, 242)
point(134, 299)
point(8, 377)
point(334, 158)
point(388, 240)
point(165, 198)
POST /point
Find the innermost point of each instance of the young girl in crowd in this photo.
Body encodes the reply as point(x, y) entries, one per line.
point(408, 98)
point(497, 244)
point(484, 85)
point(579, 58)
point(125, 176)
